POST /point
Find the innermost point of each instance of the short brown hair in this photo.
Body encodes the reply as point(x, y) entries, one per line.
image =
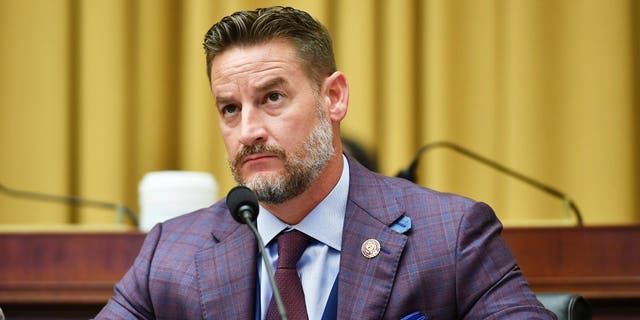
point(309, 37)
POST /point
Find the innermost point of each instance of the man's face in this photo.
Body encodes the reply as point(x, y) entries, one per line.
point(276, 132)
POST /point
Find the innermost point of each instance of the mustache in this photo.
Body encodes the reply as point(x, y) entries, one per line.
point(246, 151)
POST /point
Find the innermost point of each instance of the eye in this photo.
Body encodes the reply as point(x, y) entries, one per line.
point(274, 97)
point(229, 110)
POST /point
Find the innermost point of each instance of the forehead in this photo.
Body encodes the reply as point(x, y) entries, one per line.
point(254, 60)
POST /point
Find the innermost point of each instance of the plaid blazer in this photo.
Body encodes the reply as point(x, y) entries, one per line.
point(449, 262)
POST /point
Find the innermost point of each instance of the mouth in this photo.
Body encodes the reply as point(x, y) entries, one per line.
point(257, 157)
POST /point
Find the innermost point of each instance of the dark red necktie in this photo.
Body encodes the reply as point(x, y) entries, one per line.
point(291, 245)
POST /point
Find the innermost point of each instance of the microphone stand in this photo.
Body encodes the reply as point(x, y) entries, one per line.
point(243, 206)
point(267, 263)
point(410, 173)
point(120, 209)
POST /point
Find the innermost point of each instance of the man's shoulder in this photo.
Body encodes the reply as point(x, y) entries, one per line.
point(370, 184)
point(198, 227)
point(388, 199)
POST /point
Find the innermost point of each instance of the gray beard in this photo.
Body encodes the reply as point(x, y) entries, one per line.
point(301, 168)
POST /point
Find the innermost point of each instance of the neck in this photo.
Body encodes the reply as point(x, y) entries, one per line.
point(296, 209)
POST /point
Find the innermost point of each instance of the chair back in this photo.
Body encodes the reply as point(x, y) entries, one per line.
point(566, 306)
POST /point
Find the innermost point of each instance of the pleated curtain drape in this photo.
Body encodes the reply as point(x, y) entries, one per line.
point(96, 93)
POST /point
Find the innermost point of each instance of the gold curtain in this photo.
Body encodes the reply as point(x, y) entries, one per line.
point(94, 94)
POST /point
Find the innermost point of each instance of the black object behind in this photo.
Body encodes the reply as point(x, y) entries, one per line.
point(566, 306)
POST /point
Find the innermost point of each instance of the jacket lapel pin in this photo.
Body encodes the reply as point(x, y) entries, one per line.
point(370, 248)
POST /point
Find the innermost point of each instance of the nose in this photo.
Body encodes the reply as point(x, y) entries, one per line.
point(252, 126)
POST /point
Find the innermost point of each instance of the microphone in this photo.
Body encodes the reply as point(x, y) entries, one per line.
point(243, 206)
point(120, 209)
point(409, 173)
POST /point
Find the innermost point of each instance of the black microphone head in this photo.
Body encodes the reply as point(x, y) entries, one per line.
point(241, 200)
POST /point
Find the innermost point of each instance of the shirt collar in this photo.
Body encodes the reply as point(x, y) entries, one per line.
point(324, 223)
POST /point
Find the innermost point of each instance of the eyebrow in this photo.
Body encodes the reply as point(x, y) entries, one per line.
point(221, 101)
point(271, 83)
point(266, 86)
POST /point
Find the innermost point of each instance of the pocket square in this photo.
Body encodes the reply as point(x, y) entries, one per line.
point(415, 316)
point(402, 225)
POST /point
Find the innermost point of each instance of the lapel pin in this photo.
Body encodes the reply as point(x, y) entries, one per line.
point(370, 248)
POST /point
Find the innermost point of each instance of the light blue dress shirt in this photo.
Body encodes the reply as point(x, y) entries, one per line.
point(319, 265)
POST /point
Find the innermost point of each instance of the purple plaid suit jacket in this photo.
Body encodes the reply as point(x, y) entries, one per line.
point(451, 264)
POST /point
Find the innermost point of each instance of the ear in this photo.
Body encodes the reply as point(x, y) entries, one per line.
point(336, 95)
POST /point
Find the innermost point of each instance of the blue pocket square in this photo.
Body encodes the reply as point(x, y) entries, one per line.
point(401, 225)
point(415, 316)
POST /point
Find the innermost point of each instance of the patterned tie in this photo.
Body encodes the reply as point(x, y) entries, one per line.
point(290, 247)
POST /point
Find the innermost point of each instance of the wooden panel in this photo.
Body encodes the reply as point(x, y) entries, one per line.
point(600, 263)
point(71, 275)
point(64, 267)
point(597, 262)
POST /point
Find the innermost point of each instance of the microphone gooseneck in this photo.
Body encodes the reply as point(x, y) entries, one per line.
point(120, 209)
point(243, 206)
point(409, 173)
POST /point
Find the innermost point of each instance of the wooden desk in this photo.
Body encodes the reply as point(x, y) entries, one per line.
point(600, 263)
point(597, 262)
point(60, 274)
point(71, 275)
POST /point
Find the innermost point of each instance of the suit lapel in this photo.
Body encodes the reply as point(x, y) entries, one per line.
point(365, 284)
point(227, 276)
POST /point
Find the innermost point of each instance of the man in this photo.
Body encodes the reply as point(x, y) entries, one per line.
point(375, 247)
